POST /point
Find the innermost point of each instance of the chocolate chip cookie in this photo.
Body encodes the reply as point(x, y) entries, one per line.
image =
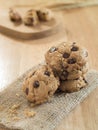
point(45, 14)
point(67, 60)
point(31, 18)
point(15, 16)
point(73, 85)
point(40, 85)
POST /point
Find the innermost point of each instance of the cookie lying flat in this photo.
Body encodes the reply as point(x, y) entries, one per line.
point(40, 85)
point(73, 85)
point(31, 18)
point(67, 60)
point(45, 14)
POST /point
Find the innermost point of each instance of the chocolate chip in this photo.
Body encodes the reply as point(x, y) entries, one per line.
point(36, 84)
point(52, 49)
point(72, 61)
point(44, 13)
point(74, 43)
point(58, 90)
point(49, 93)
point(65, 73)
point(27, 91)
point(38, 11)
point(13, 20)
point(55, 73)
point(81, 88)
point(66, 55)
point(85, 81)
point(74, 48)
point(47, 73)
point(33, 73)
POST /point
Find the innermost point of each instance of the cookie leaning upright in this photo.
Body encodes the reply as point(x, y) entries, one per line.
point(45, 14)
point(40, 85)
point(67, 60)
point(31, 18)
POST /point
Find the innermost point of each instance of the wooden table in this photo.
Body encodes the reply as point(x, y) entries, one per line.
point(17, 56)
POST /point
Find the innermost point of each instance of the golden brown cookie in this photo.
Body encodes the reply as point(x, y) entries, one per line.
point(31, 18)
point(45, 14)
point(15, 16)
point(73, 85)
point(40, 85)
point(67, 60)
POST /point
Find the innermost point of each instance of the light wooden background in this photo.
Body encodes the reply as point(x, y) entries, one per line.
point(81, 25)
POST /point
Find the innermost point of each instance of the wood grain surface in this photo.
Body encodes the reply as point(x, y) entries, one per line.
point(17, 56)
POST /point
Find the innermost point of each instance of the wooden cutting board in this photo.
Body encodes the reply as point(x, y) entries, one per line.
point(42, 29)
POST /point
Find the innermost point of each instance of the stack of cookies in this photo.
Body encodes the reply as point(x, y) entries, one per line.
point(68, 61)
point(65, 69)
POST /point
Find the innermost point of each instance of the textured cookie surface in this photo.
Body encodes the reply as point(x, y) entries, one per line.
point(40, 85)
point(15, 16)
point(45, 14)
point(31, 18)
point(67, 60)
point(73, 85)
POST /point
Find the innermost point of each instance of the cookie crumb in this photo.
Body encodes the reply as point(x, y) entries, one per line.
point(16, 118)
point(15, 106)
point(13, 110)
point(29, 113)
point(17, 94)
point(32, 105)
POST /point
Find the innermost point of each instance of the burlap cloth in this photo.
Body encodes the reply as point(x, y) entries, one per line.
point(48, 115)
